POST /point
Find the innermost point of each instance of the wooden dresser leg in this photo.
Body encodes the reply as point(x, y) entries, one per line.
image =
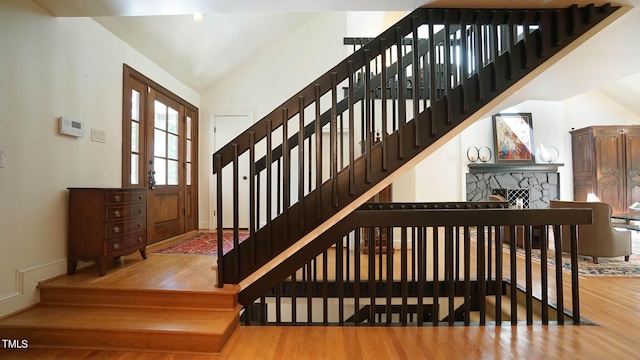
point(143, 253)
point(71, 266)
point(102, 266)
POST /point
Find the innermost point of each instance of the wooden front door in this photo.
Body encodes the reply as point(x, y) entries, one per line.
point(165, 139)
point(160, 153)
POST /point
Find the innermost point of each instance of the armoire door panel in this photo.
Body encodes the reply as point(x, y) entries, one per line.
point(632, 162)
point(613, 154)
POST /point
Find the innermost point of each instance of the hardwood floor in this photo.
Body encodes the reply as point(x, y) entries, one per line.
point(612, 304)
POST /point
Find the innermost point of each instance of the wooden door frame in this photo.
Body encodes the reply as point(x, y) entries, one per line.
point(128, 73)
point(212, 149)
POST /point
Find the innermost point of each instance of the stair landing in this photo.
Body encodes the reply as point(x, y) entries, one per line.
point(167, 303)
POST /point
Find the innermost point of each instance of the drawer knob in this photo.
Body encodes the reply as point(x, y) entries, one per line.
point(116, 229)
point(139, 225)
point(117, 198)
point(139, 211)
point(139, 197)
point(140, 239)
point(116, 213)
point(116, 246)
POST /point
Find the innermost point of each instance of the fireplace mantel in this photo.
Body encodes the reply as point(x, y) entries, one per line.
point(506, 168)
point(538, 183)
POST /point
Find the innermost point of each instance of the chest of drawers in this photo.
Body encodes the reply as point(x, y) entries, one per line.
point(105, 224)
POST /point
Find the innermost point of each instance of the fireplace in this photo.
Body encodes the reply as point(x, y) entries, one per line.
point(535, 184)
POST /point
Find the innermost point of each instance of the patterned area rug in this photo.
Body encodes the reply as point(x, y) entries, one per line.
point(606, 267)
point(204, 243)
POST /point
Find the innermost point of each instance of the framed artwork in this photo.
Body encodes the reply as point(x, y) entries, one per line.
point(513, 138)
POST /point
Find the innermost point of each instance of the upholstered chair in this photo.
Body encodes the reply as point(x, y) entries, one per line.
point(599, 239)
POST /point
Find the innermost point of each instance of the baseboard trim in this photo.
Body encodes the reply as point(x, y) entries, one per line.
point(26, 292)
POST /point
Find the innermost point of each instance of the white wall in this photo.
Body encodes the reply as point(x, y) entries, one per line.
point(51, 67)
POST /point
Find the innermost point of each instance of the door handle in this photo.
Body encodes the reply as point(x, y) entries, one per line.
point(152, 179)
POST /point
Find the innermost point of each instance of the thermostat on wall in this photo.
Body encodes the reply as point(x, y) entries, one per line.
point(73, 127)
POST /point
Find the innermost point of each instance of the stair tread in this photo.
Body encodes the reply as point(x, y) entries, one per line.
point(123, 319)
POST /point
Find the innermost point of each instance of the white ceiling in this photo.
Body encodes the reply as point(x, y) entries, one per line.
point(233, 31)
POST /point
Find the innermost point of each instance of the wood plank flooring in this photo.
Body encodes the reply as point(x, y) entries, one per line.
point(612, 304)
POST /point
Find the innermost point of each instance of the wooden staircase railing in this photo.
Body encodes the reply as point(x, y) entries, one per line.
point(303, 182)
point(438, 264)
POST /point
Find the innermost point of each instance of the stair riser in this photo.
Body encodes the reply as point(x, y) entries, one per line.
point(179, 342)
point(138, 298)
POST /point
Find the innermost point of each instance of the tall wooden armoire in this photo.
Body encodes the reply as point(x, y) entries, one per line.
point(606, 162)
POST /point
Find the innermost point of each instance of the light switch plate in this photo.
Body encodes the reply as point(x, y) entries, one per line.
point(2, 159)
point(98, 135)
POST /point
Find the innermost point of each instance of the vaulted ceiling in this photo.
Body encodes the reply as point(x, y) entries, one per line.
point(233, 31)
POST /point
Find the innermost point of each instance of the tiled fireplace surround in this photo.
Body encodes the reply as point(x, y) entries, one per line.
point(540, 182)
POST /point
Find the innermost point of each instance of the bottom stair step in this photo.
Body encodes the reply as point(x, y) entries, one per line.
point(96, 327)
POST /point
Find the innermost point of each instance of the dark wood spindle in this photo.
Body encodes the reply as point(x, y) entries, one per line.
point(467, 275)
point(218, 166)
point(384, 95)
point(269, 190)
point(421, 261)
point(334, 139)
point(301, 164)
point(356, 280)
point(252, 193)
point(294, 298)
point(416, 81)
point(278, 304)
point(403, 275)
point(318, 153)
point(310, 282)
point(372, 273)
point(544, 281)
point(402, 86)
point(514, 275)
point(367, 115)
point(528, 273)
point(527, 39)
point(433, 96)
point(493, 46)
point(499, 265)
point(575, 293)
point(340, 278)
point(557, 237)
point(436, 276)
point(286, 169)
point(325, 288)
point(447, 67)
point(351, 114)
point(478, 63)
point(389, 288)
point(464, 61)
point(448, 260)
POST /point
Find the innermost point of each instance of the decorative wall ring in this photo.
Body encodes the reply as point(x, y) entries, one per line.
point(473, 154)
point(484, 154)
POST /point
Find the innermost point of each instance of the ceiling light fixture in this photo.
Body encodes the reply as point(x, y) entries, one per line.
point(198, 17)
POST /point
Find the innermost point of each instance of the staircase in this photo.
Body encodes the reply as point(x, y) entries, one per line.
point(416, 85)
point(370, 118)
point(122, 319)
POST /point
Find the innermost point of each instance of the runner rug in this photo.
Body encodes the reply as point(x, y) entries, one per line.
point(606, 267)
point(203, 243)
